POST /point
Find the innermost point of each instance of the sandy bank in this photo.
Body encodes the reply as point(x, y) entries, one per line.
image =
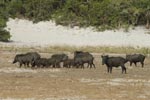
point(24, 32)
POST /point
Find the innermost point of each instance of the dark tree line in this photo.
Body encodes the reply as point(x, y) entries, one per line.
point(101, 14)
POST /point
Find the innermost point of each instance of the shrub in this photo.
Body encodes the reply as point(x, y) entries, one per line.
point(4, 35)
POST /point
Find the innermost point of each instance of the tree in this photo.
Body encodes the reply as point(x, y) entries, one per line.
point(4, 35)
point(148, 18)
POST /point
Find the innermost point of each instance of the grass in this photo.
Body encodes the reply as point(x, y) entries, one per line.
point(71, 49)
point(23, 84)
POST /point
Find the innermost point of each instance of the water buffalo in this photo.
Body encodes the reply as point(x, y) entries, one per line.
point(34, 55)
point(134, 58)
point(113, 62)
point(58, 59)
point(80, 58)
point(22, 59)
point(51, 62)
point(27, 58)
point(42, 62)
point(76, 53)
point(68, 63)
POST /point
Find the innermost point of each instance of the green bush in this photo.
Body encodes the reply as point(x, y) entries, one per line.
point(101, 14)
point(4, 35)
point(108, 14)
point(2, 22)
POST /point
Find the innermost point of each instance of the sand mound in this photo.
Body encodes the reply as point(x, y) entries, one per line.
point(47, 33)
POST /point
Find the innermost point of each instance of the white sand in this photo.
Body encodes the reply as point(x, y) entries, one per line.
point(60, 98)
point(116, 81)
point(26, 70)
point(24, 32)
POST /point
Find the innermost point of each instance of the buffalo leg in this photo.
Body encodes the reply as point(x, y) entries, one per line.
point(20, 65)
point(93, 65)
point(88, 65)
point(142, 63)
point(58, 65)
point(77, 65)
point(27, 64)
point(130, 63)
point(135, 64)
point(53, 65)
point(108, 69)
point(82, 65)
point(123, 69)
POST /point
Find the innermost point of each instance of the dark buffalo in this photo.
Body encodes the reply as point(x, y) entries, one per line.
point(40, 63)
point(44, 62)
point(62, 57)
point(68, 63)
point(114, 62)
point(76, 53)
point(136, 58)
point(51, 62)
point(27, 58)
point(80, 58)
point(34, 55)
point(58, 59)
point(22, 59)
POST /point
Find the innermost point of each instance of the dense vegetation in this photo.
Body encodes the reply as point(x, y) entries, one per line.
point(101, 14)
